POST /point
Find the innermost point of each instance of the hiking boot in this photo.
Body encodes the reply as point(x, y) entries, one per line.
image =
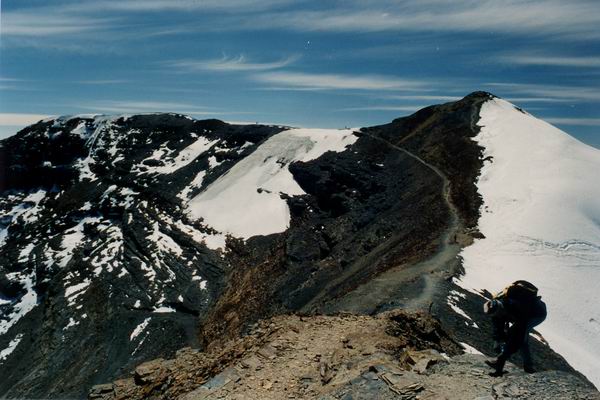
point(498, 366)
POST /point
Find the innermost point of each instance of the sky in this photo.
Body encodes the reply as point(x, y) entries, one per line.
point(329, 64)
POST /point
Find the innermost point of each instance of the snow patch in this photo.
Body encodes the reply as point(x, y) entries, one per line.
point(71, 324)
point(11, 347)
point(25, 303)
point(26, 210)
point(74, 291)
point(139, 329)
point(183, 158)
point(163, 309)
point(164, 242)
point(234, 204)
point(25, 252)
point(193, 185)
point(470, 349)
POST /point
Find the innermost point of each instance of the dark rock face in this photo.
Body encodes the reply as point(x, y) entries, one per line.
point(95, 245)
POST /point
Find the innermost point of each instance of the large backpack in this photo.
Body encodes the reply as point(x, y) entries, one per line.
point(521, 291)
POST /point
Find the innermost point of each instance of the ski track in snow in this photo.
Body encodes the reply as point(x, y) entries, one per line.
point(540, 220)
point(232, 204)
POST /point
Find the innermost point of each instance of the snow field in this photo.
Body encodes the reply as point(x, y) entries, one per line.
point(540, 219)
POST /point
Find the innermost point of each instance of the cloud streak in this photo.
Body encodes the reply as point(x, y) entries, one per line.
point(20, 119)
point(384, 108)
point(554, 92)
point(227, 64)
point(46, 23)
point(132, 107)
point(573, 121)
point(576, 19)
point(178, 5)
point(553, 61)
point(338, 81)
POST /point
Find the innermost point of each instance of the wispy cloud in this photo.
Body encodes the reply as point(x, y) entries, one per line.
point(554, 61)
point(224, 64)
point(537, 100)
point(132, 107)
point(424, 97)
point(20, 119)
point(178, 5)
point(574, 121)
point(555, 18)
point(384, 108)
point(574, 19)
point(102, 81)
point(570, 93)
point(338, 81)
point(45, 22)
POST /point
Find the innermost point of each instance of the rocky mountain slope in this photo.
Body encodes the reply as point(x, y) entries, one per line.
point(124, 239)
point(394, 355)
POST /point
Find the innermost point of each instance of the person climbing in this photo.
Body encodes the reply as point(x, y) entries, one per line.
point(515, 312)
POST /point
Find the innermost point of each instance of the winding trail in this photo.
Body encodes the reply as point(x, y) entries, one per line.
point(411, 287)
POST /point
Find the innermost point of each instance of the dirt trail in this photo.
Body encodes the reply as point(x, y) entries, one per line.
point(411, 287)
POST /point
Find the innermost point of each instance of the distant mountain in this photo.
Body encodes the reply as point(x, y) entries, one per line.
point(123, 239)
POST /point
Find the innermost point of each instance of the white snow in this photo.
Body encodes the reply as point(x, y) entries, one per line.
point(23, 210)
point(164, 242)
point(540, 218)
point(81, 130)
point(11, 347)
point(183, 158)
point(139, 329)
point(232, 203)
point(213, 241)
point(163, 309)
point(194, 184)
point(212, 162)
point(72, 323)
point(107, 255)
point(74, 291)
point(453, 303)
point(470, 349)
point(24, 253)
point(24, 305)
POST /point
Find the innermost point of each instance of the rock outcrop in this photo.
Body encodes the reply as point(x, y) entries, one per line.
point(395, 355)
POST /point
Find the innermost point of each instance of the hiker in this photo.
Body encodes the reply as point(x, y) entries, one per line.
point(515, 312)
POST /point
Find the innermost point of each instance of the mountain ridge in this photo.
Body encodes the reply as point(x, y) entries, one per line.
point(116, 253)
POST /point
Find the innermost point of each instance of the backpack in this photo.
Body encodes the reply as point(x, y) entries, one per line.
point(521, 291)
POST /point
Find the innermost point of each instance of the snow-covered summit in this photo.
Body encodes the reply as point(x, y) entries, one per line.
point(541, 221)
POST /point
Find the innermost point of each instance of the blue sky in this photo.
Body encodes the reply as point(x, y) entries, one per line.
point(303, 63)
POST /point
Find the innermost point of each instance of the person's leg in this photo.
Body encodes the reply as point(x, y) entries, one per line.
point(515, 337)
point(525, 350)
point(499, 324)
point(526, 355)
